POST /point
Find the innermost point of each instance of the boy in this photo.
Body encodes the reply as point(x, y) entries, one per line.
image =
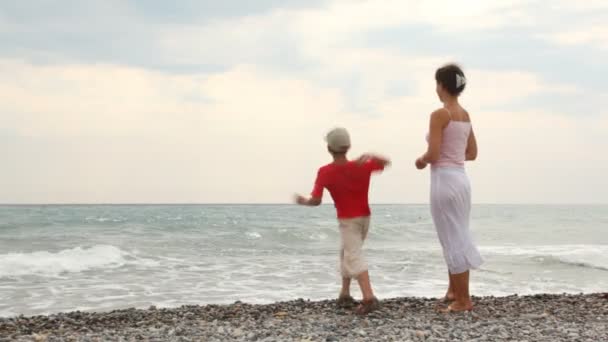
point(348, 184)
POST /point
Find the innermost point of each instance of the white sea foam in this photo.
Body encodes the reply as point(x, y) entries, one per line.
point(44, 263)
point(254, 235)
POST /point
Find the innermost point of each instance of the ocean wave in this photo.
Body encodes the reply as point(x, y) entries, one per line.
point(587, 256)
point(104, 219)
point(44, 263)
point(576, 262)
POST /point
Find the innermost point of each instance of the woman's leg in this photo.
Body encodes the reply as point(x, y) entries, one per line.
point(462, 298)
point(449, 296)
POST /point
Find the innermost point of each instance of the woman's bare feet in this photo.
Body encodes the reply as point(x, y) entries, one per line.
point(449, 297)
point(458, 307)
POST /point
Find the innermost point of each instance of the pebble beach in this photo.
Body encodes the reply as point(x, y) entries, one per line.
point(539, 317)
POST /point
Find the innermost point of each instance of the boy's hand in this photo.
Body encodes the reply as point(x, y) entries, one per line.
point(307, 201)
point(420, 164)
point(299, 199)
point(369, 156)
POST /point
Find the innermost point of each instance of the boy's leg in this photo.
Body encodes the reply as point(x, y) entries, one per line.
point(345, 291)
point(366, 286)
point(353, 235)
point(351, 258)
point(363, 278)
point(345, 300)
point(353, 232)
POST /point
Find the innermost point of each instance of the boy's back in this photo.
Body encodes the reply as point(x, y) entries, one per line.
point(348, 184)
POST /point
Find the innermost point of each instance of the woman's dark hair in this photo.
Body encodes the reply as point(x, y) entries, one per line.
point(452, 78)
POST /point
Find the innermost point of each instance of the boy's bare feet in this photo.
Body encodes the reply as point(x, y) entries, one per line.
point(368, 306)
point(345, 301)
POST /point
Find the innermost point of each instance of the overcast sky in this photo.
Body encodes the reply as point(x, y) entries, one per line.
point(228, 101)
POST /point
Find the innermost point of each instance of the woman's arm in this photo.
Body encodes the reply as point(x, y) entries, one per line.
point(436, 125)
point(471, 151)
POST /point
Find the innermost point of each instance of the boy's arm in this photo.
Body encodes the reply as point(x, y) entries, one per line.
point(308, 201)
point(383, 161)
point(315, 196)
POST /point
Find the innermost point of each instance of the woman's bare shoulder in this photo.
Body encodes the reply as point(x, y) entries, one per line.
point(467, 117)
point(440, 113)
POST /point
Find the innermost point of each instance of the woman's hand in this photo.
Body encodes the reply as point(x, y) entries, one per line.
point(420, 163)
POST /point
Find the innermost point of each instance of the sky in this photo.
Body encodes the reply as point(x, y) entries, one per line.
point(150, 101)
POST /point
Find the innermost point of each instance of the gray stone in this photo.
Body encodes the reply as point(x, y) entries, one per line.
point(238, 332)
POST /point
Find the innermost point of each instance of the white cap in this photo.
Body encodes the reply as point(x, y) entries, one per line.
point(338, 140)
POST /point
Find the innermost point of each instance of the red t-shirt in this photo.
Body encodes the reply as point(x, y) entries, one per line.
point(348, 185)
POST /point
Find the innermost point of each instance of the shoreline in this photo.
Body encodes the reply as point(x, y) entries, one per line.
point(540, 317)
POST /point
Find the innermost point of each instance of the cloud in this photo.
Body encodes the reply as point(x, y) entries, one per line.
point(575, 24)
point(595, 36)
point(108, 133)
point(579, 7)
point(329, 45)
point(240, 126)
point(232, 106)
point(501, 88)
point(313, 32)
point(82, 100)
point(350, 18)
point(225, 42)
point(201, 11)
point(118, 31)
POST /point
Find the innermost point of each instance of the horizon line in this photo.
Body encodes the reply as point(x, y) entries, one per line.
point(262, 203)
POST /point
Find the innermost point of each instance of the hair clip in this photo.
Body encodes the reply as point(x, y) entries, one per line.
point(460, 81)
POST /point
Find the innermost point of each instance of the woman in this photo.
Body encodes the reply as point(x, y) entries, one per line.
point(451, 142)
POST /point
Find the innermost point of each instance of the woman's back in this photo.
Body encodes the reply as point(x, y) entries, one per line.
point(454, 141)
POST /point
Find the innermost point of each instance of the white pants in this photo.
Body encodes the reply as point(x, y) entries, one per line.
point(353, 233)
point(450, 208)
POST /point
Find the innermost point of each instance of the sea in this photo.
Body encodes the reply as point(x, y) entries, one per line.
point(56, 258)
